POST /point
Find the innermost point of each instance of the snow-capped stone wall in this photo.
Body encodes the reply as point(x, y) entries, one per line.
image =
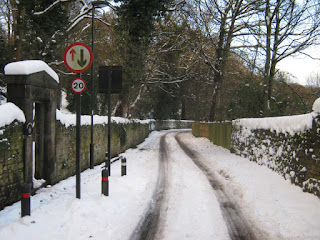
point(124, 134)
point(11, 153)
point(287, 145)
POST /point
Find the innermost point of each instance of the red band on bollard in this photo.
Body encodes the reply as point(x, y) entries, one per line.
point(25, 195)
point(105, 179)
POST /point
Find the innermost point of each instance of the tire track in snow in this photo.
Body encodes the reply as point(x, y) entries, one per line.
point(148, 226)
point(238, 226)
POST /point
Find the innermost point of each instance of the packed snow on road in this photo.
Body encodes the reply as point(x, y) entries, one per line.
point(192, 209)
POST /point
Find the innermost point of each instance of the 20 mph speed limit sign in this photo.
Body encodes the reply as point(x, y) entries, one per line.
point(78, 85)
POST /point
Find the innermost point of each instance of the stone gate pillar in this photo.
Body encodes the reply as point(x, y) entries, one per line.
point(29, 83)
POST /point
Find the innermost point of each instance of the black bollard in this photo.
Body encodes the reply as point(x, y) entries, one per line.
point(107, 162)
point(25, 200)
point(123, 166)
point(105, 182)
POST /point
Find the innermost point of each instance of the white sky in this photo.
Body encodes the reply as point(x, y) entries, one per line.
point(301, 66)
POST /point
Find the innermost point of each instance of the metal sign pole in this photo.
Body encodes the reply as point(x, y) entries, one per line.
point(78, 142)
point(92, 92)
point(78, 58)
point(109, 118)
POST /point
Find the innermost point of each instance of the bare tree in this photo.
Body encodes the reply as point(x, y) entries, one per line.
point(290, 27)
point(313, 80)
point(224, 21)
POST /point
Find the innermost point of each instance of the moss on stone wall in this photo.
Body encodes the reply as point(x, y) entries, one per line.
point(295, 157)
point(11, 163)
point(123, 136)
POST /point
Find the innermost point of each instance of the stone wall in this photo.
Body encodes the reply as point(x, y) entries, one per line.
point(11, 162)
point(292, 150)
point(295, 156)
point(123, 136)
point(170, 124)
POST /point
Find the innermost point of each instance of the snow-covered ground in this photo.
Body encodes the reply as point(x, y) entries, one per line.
point(278, 208)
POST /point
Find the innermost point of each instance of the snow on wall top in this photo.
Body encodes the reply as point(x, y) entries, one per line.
point(316, 106)
point(10, 112)
point(28, 67)
point(288, 124)
point(69, 119)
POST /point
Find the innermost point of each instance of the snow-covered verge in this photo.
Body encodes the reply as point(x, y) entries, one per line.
point(57, 214)
point(288, 145)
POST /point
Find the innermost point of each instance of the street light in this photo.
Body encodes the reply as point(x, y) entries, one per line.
point(94, 5)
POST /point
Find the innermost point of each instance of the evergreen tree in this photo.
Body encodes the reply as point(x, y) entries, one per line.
point(135, 26)
point(41, 31)
point(4, 58)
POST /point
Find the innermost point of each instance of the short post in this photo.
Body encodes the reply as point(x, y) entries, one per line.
point(105, 182)
point(25, 200)
point(106, 160)
point(91, 156)
point(123, 166)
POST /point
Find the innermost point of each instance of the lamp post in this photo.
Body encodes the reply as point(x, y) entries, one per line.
point(94, 5)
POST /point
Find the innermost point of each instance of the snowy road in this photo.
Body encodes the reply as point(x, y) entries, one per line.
point(177, 187)
point(148, 226)
point(239, 226)
point(156, 224)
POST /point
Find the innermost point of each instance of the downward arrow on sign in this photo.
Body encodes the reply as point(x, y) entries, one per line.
point(82, 61)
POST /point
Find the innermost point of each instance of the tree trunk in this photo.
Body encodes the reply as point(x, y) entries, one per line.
point(268, 59)
point(183, 108)
point(120, 110)
point(213, 109)
point(17, 29)
point(212, 113)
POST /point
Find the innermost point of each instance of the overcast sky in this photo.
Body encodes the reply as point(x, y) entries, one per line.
point(301, 66)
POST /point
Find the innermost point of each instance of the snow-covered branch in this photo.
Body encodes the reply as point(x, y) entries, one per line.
point(52, 6)
point(174, 8)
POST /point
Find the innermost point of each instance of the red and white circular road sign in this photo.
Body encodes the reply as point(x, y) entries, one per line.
point(78, 57)
point(78, 85)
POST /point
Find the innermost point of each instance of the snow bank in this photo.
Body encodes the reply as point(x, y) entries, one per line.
point(69, 119)
point(10, 112)
point(316, 106)
point(28, 67)
point(288, 124)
